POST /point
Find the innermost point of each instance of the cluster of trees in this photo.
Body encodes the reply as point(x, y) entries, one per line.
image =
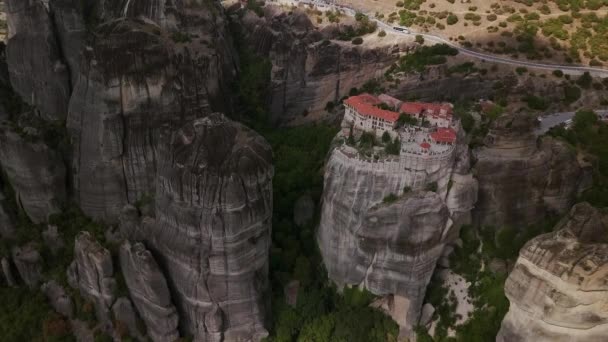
point(362, 27)
point(423, 57)
point(589, 135)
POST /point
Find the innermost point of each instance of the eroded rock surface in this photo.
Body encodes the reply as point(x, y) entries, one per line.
point(212, 230)
point(59, 299)
point(521, 179)
point(37, 70)
point(391, 246)
point(136, 80)
point(7, 228)
point(149, 291)
point(308, 69)
point(36, 173)
point(94, 273)
point(558, 289)
point(29, 264)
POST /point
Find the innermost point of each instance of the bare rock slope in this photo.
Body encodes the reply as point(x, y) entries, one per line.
point(163, 65)
point(309, 67)
point(522, 179)
point(558, 289)
point(391, 247)
point(212, 229)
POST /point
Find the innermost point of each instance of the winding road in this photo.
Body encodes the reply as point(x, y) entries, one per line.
point(566, 69)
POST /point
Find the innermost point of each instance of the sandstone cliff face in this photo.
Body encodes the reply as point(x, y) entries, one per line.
point(37, 70)
point(521, 179)
point(212, 230)
point(308, 70)
point(391, 248)
point(36, 173)
point(135, 80)
point(558, 289)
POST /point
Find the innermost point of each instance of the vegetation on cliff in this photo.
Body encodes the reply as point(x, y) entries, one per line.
point(589, 136)
point(320, 312)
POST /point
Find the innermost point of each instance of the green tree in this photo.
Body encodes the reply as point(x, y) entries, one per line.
point(386, 138)
point(571, 93)
point(585, 80)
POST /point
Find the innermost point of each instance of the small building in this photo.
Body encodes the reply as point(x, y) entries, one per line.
point(437, 114)
point(444, 136)
point(363, 113)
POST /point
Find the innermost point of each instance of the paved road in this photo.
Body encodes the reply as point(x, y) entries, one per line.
point(567, 69)
point(555, 119)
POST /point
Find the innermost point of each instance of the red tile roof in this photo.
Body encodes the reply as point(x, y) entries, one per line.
point(414, 108)
point(444, 135)
point(425, 145)
point(365, 104)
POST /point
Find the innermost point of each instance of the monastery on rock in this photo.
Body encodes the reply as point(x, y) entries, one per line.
point(434, 134)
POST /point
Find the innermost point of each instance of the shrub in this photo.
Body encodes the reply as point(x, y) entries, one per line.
point(357, 41)
point(431, 187)
point(367, 140)
point(386, 138)
point(585, 81)
point(558, 73)
point(390, 198)
point(393, 148)
point(452, 19)
point(521, 70)
point(382, 33)
point(180, 37)
point(492, 17)
point(472, 17)
point(571, 93)
point(535, 102)
point(419, 39)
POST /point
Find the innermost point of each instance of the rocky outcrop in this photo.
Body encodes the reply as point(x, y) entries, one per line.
point(93, 273)
point(7, 272)
point(125, 314)
point(7, 228)
point(36, 173)
point(522, 179)
point(68, 17)
point(212, 229)
point(34, 56)
point(557, 289)
point(135, 81)
point(308, 68)
point(390, 249)
point(149, 292)
point(58, 298)
point(380, 229)
point(28, 262)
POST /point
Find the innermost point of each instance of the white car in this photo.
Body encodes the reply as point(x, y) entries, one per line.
point(401, 29)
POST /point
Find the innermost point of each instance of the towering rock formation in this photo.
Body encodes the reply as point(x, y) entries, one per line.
point(521, 179)
point(558, 289)
point(135, 80)
point(37, 71)
point(392, 247)
point(212, 230)
point(92, 273)
point(308, 69)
